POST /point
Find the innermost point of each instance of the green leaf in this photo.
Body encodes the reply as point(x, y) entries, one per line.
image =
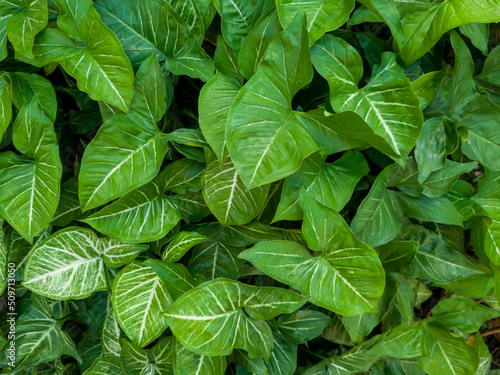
point(5, 107)
point(143, 215)
point(434, 259)
point(238, 17)
point(29, 186)
point(425, 23)
point(69, 207)
point(109, 365)
point(139, 298)
point(302, 325)
point(175, 276)
point(23, 87)
point(479, 34)
point(226, 194)
point(488, 195)
point(41, 339)
point(215, 258)
point(216, 97)
point(28, 18)
point(261, 115)
point(432, 147)
point(463, 314)
point(322, 15)
point(426, 87)
point(254, 46)
point(439, 210)
point(70, 263)
point(405, 341)
point(336, 279)
point(200, 327)
point(352, 362)
point(181, 176)
point(180, 245)
point(441, 181)
point(110, 335)
point(101, 68)
point(157, 360)
point(387, 103)
point(330, 184)
point(132, 145)
point(449, 354)
point(188, 363)
point(397, 255)
point(156, 27)
point(250, 234)
point(377, 220)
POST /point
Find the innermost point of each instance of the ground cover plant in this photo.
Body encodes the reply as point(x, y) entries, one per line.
point(249, 187)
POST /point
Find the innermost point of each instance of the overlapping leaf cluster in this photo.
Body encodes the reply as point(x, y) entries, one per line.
point(249, 187)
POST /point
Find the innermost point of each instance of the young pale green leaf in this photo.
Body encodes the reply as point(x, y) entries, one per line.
point(425, 23)
point(156, 27)
point(70, 263)
point(23, 87)
point(157, 360)
point(330, 184)
point(254, 47)
point(175, 276)
point(187, 363)
point(110, 335)
point(180, 245)
point(230, 317)
point(322, 15)
point(153, 216)
point(5, 107)
point(336, 278)
point(463, 314)
point(29, 184)
point(302, 325)
point(109, 365)
point(215, 258)
point(40, 339)
point(397, 255)
point(226, 194)
point(139, 297)
point(27, 19)
point(261, 115)
point(101, 68)
point(449, 355)
point(387, 103)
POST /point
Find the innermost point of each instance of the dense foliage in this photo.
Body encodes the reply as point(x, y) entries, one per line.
point(249, 187)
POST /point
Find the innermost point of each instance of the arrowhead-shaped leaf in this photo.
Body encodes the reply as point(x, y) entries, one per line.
point(139, 297)
point(221, 315)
